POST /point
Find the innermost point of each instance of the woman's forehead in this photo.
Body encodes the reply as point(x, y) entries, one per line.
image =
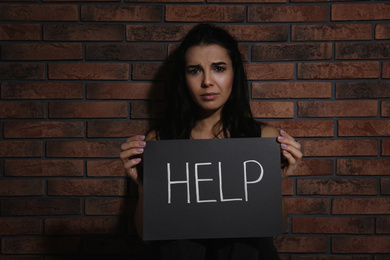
point(211, 53)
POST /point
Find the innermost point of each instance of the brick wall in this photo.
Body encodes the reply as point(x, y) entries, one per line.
point(78, 77)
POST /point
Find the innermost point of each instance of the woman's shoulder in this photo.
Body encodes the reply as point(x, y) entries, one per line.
point(152, 135)
point(269, 131)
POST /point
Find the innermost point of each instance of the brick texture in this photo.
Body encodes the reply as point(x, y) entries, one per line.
point(77, 78)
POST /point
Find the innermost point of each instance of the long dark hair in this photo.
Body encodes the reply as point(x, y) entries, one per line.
point(181, 112)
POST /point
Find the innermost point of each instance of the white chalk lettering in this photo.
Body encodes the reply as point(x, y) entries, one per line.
point(220, 186)
point(197, 180)
point(187, 181)
point(246, 182)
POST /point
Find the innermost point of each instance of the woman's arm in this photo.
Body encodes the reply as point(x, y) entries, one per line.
point(132, 151)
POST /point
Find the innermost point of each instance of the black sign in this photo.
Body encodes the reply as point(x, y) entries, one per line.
point(215, 188)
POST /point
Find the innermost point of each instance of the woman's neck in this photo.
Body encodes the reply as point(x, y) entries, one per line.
point(207, 127)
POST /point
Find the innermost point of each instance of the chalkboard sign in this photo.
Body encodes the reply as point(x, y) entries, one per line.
point(214, 188)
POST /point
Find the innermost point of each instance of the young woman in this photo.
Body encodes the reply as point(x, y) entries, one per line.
point(208, 98)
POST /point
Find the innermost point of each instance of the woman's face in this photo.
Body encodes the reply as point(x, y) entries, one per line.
point(209, 76)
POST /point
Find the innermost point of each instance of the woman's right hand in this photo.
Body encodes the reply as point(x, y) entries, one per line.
point(132, 151)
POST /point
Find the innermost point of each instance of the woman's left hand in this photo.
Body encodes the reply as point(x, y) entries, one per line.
point(291, 150)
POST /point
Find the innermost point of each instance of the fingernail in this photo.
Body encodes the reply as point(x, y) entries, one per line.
point(283, 145)
point(141, 137)
point(282, 132)
point(137, 159)
point(142, 143)
point(281, 138)
point(140, 149)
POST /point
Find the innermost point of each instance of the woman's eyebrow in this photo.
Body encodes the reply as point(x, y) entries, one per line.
point(218, 63)
point(193, 67)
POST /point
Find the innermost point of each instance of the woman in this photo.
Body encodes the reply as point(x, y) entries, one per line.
point(208, 98)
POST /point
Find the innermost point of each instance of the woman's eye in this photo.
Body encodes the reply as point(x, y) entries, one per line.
point(219, 69)
point(193, 71)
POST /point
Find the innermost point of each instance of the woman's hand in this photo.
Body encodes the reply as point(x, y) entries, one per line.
point(291, 150)
point(132, 151)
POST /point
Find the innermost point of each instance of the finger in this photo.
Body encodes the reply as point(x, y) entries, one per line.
point(296, 153)
point(125, 155)
point(291, 160)
point(288, 139)
point(132, 163)
point(132, 144)
point(136, 137)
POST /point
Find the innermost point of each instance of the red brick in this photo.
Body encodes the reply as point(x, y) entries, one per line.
point(328, 257)
point(369, 89)
point(361, 51)
point(287, 52)
point(359, 12)
point(258, 33)
point(287, 187)
point(305, 128)
point(83, 32)
point(315, 167)
point(90, 71)
point(24, 226)
point(42, 51)
point(269, 71)
point(383, 225)
point(356, 245)
point(147, 110)
point(361, 108)
point(360, 206)
point(40, 245)
point(99, 109)
point(43, 129)
point(40, 207)
point(20, 32)
point(301, 244)
point(11, 187)
point(109, 206)
point(363, 167)
point(105, 168)
point(33, 12)
point(68, 226)
point(291, 90)
point(386, 70)
point(385, 186)
point(339, 147)
point(272, 109)
point(331, 32)
point(338, 70)
point(22, 110)
point(21, 149)
point(204, 13)
point(121, 13)
point(386, 147)
point(42, 90)
point(332, 225)
point(148, 71)
point(288, 13)
point(22, 71)
point(245, 1)
point(156, 32)
point(382, 31)
point(87, 149)
point(86, 187)
point(125, 91)
point(337, 187)
point(121, 52)
point(35, 168)
point(363, 127)
point(307, 205)
point(117, 128)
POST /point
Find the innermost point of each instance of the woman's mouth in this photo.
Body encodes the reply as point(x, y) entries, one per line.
point(209, 96)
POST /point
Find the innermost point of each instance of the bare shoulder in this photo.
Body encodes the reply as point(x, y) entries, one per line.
point(269, 131)
point(152, 135)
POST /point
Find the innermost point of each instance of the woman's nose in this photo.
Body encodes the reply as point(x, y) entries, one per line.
point(207, 80)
